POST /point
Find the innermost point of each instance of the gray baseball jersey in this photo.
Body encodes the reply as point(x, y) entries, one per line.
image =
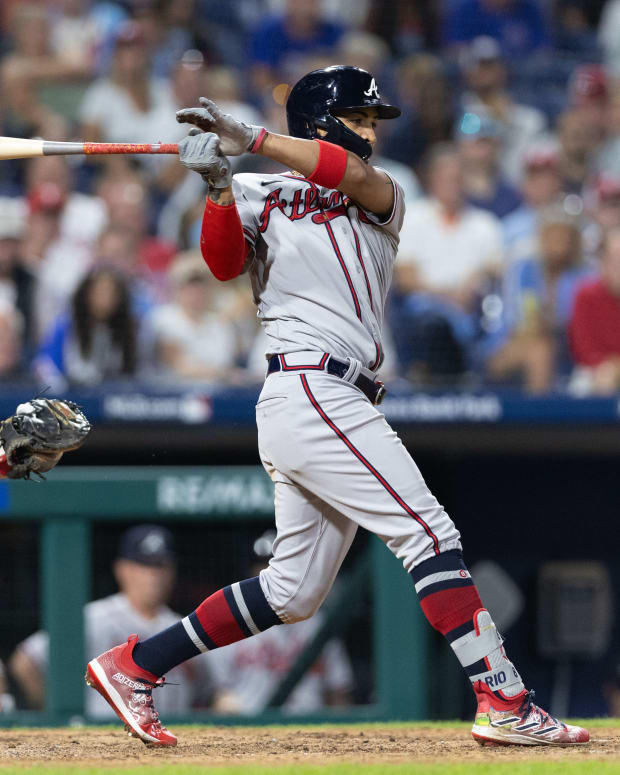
point(322, 265)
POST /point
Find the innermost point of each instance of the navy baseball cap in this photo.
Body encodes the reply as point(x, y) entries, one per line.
point(148, 545)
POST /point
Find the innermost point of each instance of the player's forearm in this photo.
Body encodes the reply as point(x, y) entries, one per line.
point(358, 180)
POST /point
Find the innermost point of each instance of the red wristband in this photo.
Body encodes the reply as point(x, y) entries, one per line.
point(331, 166)
point(255, 147)
point(222, 243)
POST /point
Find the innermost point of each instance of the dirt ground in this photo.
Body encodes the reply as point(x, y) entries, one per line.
point(280, 745)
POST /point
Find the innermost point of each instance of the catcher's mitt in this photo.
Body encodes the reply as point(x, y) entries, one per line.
point(41, 430)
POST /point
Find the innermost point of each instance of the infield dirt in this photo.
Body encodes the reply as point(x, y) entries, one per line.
point(220, 746)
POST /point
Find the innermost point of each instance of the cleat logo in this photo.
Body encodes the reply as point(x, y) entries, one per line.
point(123, 679)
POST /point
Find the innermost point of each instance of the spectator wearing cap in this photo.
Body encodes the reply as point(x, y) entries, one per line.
point(483, 183)
point(486, 76)
point(595, 325)
point(540, 187)
point(539, 293)
point(449, 251)
point(191, 341)
point(518, 26)
point(144, 570)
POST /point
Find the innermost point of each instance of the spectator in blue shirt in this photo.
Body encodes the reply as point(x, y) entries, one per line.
point(279, 42)
point(539, 294)
point(517, 25)
point(478, 139)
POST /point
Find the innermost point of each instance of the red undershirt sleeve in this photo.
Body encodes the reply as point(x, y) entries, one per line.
point(222, 242)
point(4, 466)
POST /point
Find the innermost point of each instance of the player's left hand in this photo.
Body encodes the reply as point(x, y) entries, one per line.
point(236, 137)
point(39, 433)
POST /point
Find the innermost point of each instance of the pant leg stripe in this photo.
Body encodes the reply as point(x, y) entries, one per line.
point(236, 590)
point(192, 634)
point(369, 465)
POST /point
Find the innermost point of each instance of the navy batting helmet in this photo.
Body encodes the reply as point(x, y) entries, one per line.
point(319, 95)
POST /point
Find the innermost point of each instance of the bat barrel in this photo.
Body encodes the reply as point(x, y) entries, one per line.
point(51, 148)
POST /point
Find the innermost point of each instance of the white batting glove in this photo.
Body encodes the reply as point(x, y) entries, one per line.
point(236, 137)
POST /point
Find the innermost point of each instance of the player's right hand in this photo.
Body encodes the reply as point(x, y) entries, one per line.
point(235, 137)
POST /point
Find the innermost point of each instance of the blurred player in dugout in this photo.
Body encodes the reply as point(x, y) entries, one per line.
point(246, 673)
point(144, 570)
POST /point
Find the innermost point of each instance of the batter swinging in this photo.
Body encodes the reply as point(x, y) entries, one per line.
point(319, 244)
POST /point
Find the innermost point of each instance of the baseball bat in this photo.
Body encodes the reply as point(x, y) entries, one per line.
point(18, 148)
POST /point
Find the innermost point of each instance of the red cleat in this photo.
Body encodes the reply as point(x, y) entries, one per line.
point(519, 721)
point(128, 689)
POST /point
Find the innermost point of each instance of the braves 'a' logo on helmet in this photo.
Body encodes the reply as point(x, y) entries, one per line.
point(372, 90)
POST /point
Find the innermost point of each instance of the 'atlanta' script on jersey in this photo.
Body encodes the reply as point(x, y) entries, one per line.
point(305, 201)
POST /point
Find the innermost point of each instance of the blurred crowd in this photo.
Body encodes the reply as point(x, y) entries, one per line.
point(508, 150)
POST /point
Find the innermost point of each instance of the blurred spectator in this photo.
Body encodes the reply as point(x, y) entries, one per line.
point(588, 93)
point(63, 226)
point(448, 252)
point(35, 59)
point(575, 26)
point(609, 36)
point(602, 206)
point(129, 105)
point(278, 41)
point(540, 187)
point(247, 673)
point(97, 341)
point(144, 570)
point(11, 327)
point(517, 25)
point(608, 155)
point(170, 28)
point(486, 77)
point(128, 203)
point(7, 701)
point(191, 341)
point(17, 284)
point(365, 50)
point(578, 141)
point(410, 27)
point(484, 186)
point(538, 298)
point(428, 110)
point(595, 325)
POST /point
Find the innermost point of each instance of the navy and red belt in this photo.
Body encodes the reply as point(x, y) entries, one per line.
point(374, 391)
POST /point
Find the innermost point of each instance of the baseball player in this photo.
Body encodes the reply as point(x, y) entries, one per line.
point(319, 243)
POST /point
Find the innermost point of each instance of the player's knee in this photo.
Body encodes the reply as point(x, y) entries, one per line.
point(298, 609)
point(291, 600)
